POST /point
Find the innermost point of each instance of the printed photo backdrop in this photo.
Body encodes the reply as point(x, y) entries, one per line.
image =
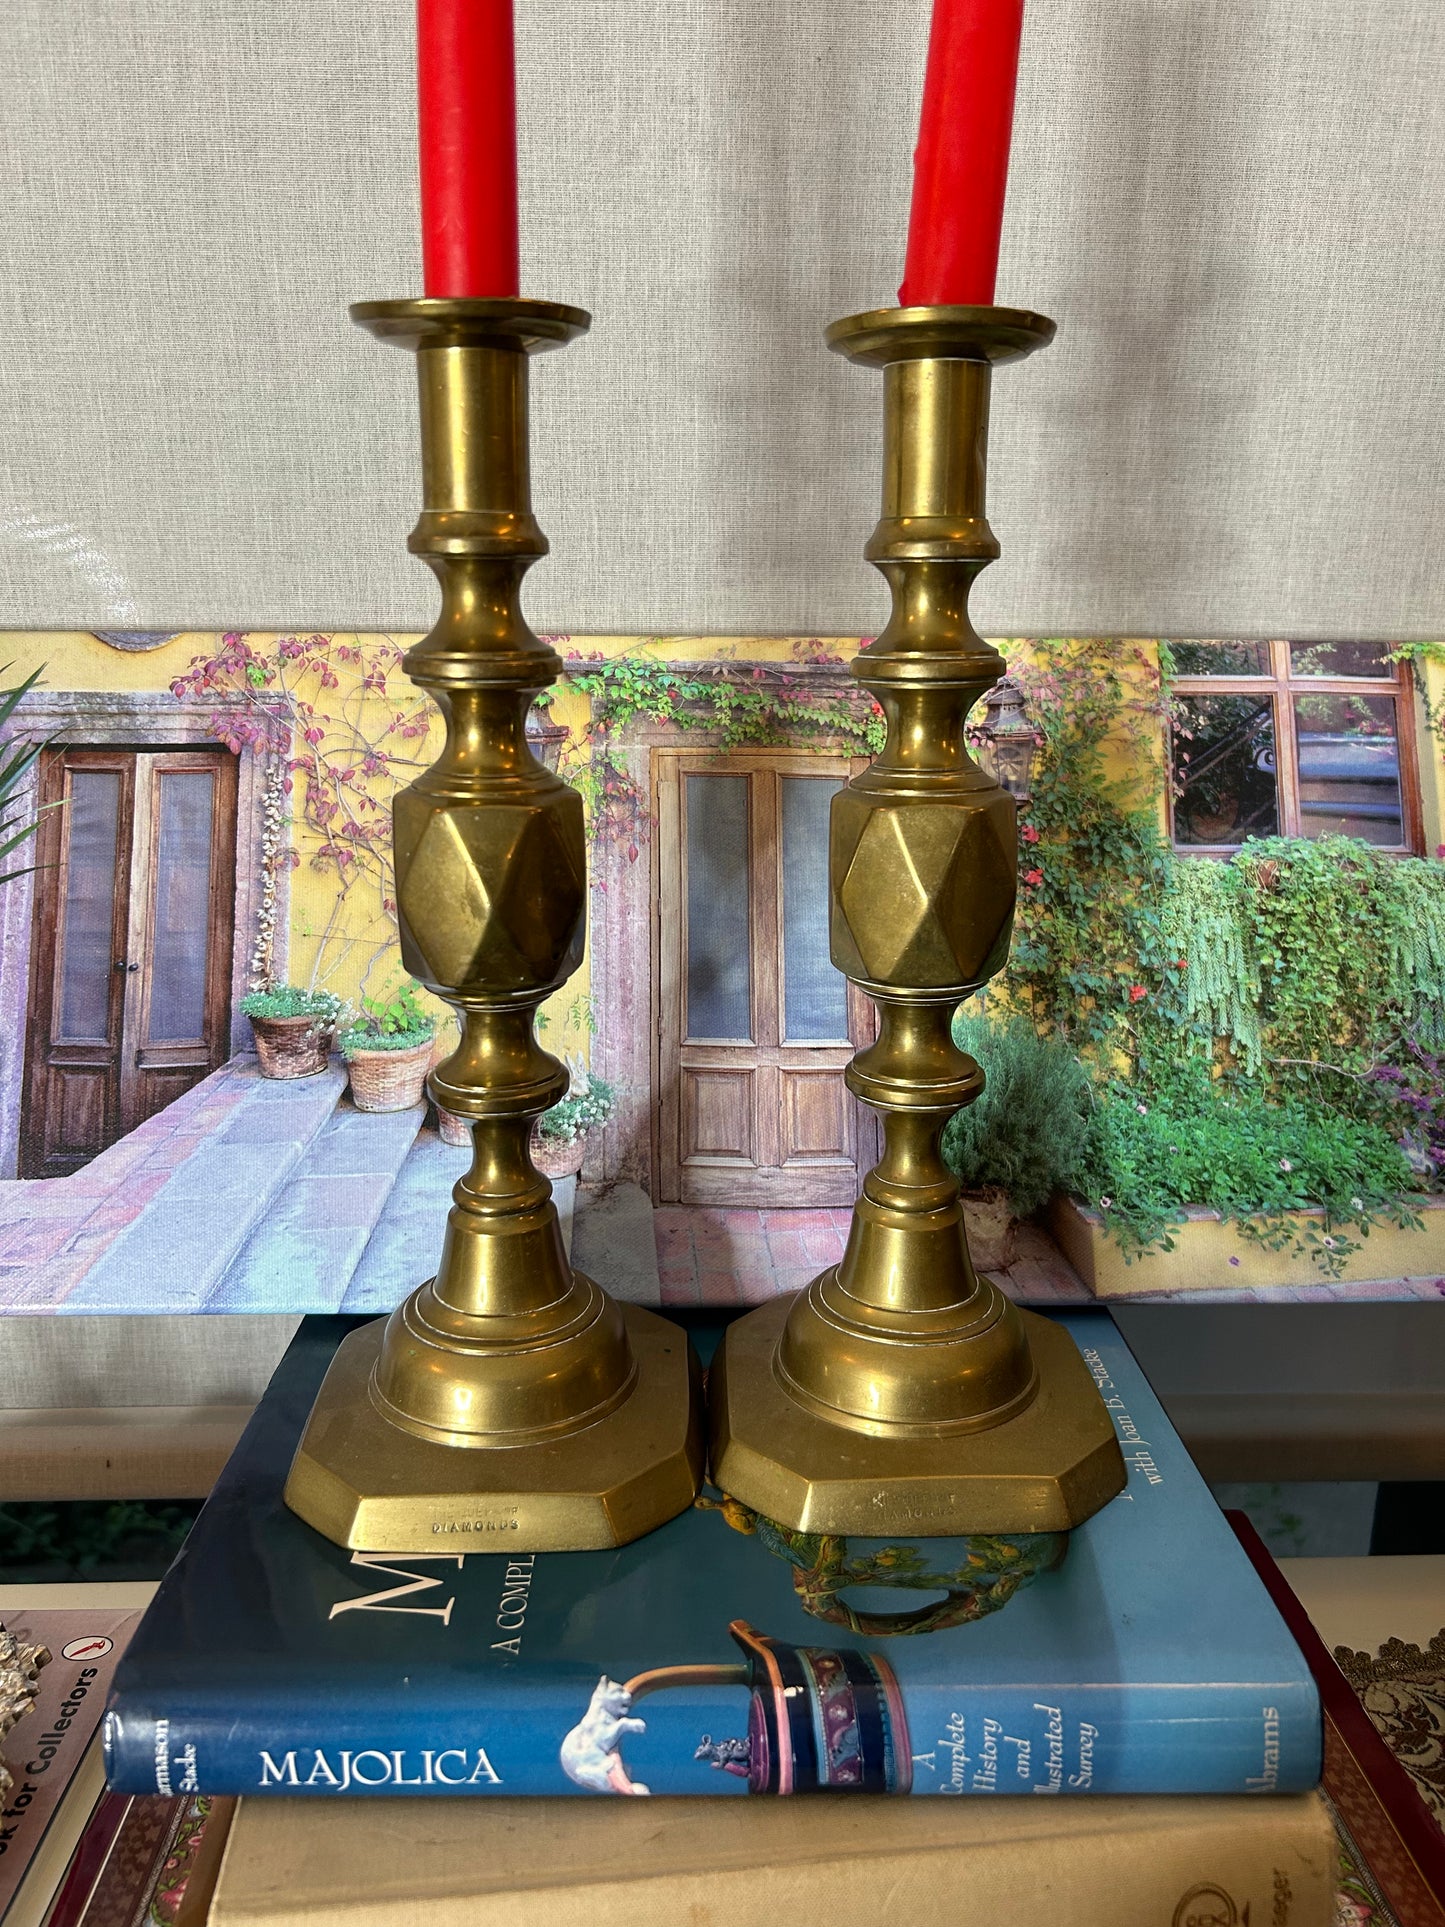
point(1224, 996)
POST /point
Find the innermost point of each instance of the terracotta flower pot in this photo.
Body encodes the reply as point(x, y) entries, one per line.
point(453, 1129)
point(992, 1229)
point(389, 1080)
point(292, 1046)
point(557, 1157)
point(552, 1157)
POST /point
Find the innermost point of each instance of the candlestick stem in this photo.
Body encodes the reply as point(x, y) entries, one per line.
point(508, 1399)
point(901, 1392)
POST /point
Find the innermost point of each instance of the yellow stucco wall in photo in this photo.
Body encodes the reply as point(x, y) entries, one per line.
point(1430, 682)
point(347, 941)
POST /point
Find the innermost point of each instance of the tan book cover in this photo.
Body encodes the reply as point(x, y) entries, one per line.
point(1090, 1862)
point(52, 1753)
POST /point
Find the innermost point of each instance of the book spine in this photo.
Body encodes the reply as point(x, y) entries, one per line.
point(1119, 1739)
point(1376, 1797)
point(1024, 1740)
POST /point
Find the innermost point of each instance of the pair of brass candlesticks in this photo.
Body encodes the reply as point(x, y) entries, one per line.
point(511, 1403)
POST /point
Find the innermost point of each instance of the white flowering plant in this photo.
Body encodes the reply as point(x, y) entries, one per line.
point(588, 1103)
point(295, 1000)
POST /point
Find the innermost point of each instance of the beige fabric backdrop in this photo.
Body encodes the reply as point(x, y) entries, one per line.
point(1232, 207)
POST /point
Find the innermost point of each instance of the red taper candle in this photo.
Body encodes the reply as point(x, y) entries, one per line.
point(467, 100)
point(960, 167)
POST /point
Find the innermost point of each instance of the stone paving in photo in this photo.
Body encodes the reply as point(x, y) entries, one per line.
point(708, 1255)
point(711, 1256)
point(162, 1211)
point(247, 1195)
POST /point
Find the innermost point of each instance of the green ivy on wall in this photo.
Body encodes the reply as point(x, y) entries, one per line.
point(1265, 1033)
point(735, 704)
point(1310, 961)
point(1418, 655)
point(1091, 958)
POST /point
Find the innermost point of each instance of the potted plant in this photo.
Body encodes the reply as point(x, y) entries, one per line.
point(1023, 1139)
point(294, 1028)
point(559, 1135)
point(564, 1147)
point(388, 1050)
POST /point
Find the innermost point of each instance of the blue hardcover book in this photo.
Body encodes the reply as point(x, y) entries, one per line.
point(1149, 1659)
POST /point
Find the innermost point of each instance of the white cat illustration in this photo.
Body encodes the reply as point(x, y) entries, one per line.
point(589, 1753)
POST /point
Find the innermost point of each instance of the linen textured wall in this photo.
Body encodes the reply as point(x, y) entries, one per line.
point(1231, 207)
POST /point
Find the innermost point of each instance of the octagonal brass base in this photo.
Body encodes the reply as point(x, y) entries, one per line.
point(369, 1485)
point(1045, 1469)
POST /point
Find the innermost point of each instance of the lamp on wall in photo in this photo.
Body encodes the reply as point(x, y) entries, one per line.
point(545, 739)
point(1006, 742)
point(901, 1392)
point(508, 1404)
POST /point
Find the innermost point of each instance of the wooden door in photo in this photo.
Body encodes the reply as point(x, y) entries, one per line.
point(754, 1024)
point(130, 983)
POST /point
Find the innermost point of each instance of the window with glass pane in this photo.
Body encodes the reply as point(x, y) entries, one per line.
point(1366, 660)
point(92, 816)
point(180, 932)
point(1221, 658)
point(1224, 769)
point(1348, 753)
point(815, 995)
point(719, 968)
point(1301, 738)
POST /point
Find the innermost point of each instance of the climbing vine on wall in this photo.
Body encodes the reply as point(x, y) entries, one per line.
point(734, 703)
point(342, 729)
point(1090, 958)
point(1311, 961)
point(1219, 974)
point(1283, 960)
point(1264, 1033)
point(1419, 655)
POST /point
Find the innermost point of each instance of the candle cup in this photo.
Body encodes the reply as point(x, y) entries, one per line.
point(901, 1393)
point(508, 1404)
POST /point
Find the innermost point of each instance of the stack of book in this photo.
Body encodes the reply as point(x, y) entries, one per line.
point(1150, 1671)
point(1153, 1673)
point(70, 1852)
point(1389, 1810)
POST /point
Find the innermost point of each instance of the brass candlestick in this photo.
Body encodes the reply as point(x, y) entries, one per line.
point(508, 1402)
point(901, 1393)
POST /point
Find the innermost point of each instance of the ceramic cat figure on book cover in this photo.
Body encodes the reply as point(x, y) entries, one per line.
point(817, 1720)
point(720, 1655)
